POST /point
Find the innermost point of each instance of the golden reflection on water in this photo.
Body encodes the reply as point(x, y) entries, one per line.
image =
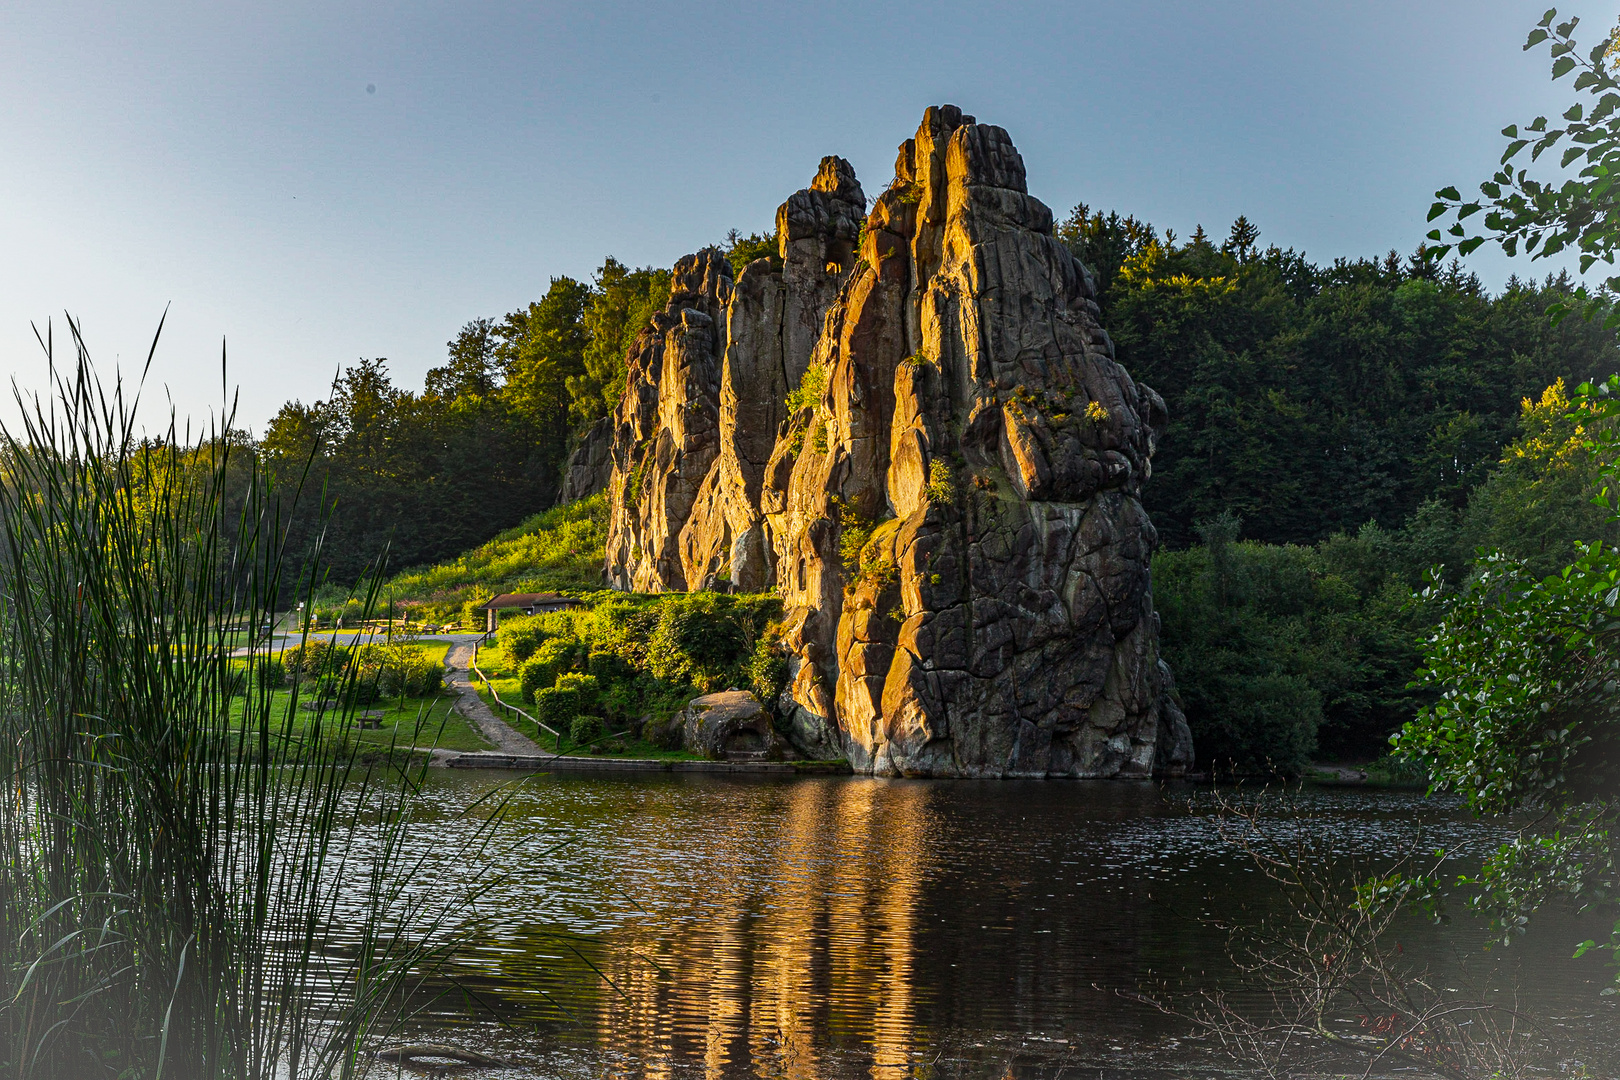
point(827, 950)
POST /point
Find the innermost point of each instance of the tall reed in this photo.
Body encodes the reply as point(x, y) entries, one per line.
point(192, 885)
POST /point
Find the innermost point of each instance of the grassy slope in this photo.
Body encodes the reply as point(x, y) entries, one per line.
point(559, 550)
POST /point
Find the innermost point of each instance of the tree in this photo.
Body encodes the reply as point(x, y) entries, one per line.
point(1542, 217)
point(472, 370)
point(1527, 668)
point(541, 348)
point(1240, 241)
point(622, 301)
point(1105, 242)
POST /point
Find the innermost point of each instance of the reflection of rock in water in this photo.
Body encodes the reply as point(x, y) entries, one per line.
point(821, 956)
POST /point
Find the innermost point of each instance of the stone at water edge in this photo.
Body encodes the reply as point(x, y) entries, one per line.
point(731, 721)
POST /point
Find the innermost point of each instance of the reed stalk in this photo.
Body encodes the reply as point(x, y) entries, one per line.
point(192, 883)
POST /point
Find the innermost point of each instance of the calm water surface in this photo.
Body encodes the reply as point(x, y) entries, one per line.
point(832, 927)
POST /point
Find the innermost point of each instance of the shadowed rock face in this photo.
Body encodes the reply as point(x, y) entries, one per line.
point(952, 514)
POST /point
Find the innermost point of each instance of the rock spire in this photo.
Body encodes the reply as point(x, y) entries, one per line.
point(916, 432)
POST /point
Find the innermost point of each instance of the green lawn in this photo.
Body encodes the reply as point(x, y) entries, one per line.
point(420, 722)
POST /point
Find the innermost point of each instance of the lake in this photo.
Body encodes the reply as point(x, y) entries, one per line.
point(832, 927)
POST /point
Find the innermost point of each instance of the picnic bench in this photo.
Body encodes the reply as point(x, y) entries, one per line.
point(370, 719)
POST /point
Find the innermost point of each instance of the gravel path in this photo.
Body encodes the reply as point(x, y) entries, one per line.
point(482, 717)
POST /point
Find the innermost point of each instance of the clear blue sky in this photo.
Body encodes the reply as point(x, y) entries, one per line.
point(229, 159)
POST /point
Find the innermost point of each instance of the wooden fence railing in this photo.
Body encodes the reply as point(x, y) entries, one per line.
point(510, 708)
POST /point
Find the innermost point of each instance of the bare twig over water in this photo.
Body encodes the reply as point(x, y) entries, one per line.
point(1329, 980)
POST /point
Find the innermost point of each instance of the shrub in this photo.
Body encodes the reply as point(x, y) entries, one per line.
point(554, 657)
point(520, 638)
point(583, 685)
point(362, 693)
point(807, 395)
point(768, 670)
point(584, 729)
point(707, 639)
point(423, 678)
point(941, 487)
point(556, 707)
point(609, 668)
point(400, 670)
point(473, 617)
point(313, 660)
point(665, 736)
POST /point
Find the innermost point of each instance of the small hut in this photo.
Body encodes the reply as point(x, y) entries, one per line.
point(530, 603)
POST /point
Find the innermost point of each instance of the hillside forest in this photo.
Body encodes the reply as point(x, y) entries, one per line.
point(1335, 431)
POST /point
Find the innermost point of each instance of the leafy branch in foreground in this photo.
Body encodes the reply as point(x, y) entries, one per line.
point(1542, 217)
point(196, 884)
point(1527, 717)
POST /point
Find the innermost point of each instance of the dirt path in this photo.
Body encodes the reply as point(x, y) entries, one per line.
point(481, 716)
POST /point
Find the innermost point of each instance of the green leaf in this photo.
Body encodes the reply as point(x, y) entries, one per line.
point(1546, 20)
point(1574, 112)
point(1436, 210)
point(1448, 193)
point(1563, 66)
point(1491, 189)
point(1570, 155)
point(1434, 234)
point(1513, 148)
point(1468, 210)
point(1537, 36)
point(1467, 247)
point(1511, 131)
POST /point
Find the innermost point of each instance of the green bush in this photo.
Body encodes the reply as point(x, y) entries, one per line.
point(707, 639)
point(666, 735)
point(609, 668)
point(520, 637)
point(583, 685)
point(362, 693)
point(556, 707)
point(312, 661)
point(768, 670)
point(473, 617)
point(554, 657)
point(400, 670)
point(585, 729)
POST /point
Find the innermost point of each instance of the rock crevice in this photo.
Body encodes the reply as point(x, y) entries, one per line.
point(915, 431)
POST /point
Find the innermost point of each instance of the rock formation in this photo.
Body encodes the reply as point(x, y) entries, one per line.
point(590, 465)
point(915, 430)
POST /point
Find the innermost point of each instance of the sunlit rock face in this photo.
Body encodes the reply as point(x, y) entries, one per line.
point(917, 433)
